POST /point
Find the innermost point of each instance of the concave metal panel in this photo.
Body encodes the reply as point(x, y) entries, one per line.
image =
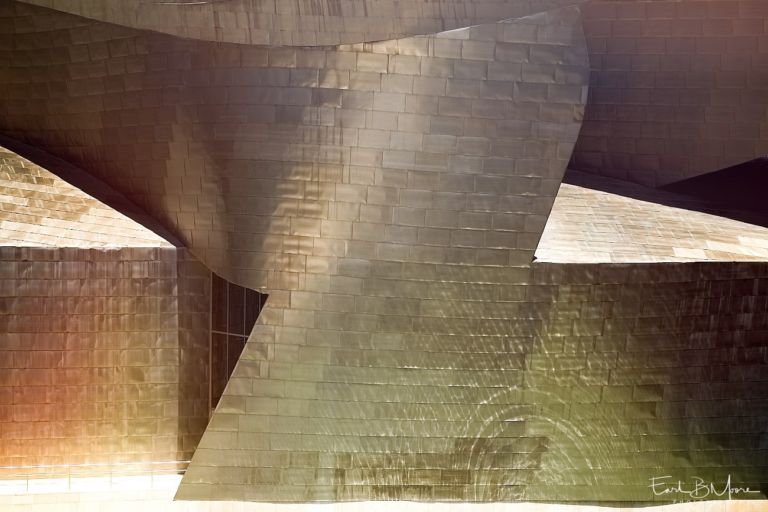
point(271, 164)
point(365, 187)
point(389, 196)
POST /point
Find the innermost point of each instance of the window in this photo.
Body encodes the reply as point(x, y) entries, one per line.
point(234, 310)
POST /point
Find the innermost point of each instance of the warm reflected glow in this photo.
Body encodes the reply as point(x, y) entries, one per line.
point(162, 500)
point(155, 490)
point(91, 478)
point(87, 485)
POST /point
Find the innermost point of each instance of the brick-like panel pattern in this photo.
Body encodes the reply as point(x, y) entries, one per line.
point(678, 88)
point(301, 23)
point(647, 370)
point(273, 163)
point(572, 383)
point(39, 209)
point(194, 350)
point(366, 187)
point(389, 196)
point(98, 348)
point(603, 220)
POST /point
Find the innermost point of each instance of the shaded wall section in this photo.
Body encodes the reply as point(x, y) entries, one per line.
point(302, 23)
point(736, 191)
point(194, 350)
point(104, 344)
point(234, 311)
point(678, 89)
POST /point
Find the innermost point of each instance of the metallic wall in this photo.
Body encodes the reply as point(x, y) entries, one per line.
point(271, 163)
point(603, 220)
point(41, 209)
point(103, 334)
point(99, 357)
point(300, 23)
point(678, 89)
point(569, 383)
point(389, 196)
point(336, 179)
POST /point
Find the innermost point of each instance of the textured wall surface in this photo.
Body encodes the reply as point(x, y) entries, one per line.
point(602, 220)
point(103, 334)
point(389, 197)
point(354, 184)
point(302, 22)
point(570, 383)
point(193, 297)
point(271, 164)
point(39, 209)
point(679, 88)
point(90, 357)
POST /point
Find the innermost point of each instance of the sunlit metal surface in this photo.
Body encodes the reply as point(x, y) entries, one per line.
point(38, 209)
point(389, 197)
point(600, 220)
point(104, 341)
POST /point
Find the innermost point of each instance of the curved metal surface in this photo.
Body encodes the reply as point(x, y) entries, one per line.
point(371, 189)
point(300, 22)
point(389, 197)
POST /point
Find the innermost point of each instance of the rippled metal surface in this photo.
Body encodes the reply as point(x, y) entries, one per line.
point(389, 197)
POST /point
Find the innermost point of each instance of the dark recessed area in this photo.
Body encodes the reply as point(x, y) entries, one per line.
point(234, 310)
point(736, 192)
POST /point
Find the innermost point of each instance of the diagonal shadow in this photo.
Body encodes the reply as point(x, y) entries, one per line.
point(738, 192)
point(735, 193)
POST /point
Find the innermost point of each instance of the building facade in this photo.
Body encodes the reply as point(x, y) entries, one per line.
point(356, 210)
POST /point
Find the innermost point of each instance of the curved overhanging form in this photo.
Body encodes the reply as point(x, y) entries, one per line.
point(389, 196)
point(271, 163)
point(39, 209)
point(300, 23)
point(377, 362)
point(369, 189)
point(679, 87)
